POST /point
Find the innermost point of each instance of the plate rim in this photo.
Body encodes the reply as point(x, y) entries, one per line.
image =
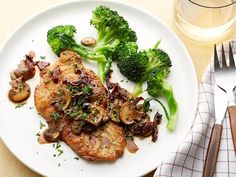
point(58, 4)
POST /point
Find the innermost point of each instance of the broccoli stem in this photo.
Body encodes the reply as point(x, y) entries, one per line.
point(83, 52)
point(157, 44)
point(147, 106)
point(107, 68)
point(103, 48)
point(138, 89)
point(109, 47)
point(101, 67)
point(173, 107)
point(108, 37)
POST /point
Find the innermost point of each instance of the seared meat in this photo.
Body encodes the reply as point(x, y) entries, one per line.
point(60, 108)
point(105, 144)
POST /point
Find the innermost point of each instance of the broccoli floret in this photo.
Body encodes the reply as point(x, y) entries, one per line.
point(136, 65)
point(157, 58)
point(61, 38)
point(124, 50)
point(53, 37)
point(112, 29)
point(156, 86)
point(131, 63)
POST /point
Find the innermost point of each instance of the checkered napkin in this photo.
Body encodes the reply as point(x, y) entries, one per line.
point(188, 159)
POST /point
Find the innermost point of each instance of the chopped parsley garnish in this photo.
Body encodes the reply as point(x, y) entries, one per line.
point(60, 152)
point(76, 158)
point(41, 125)
point(42, 57)
point(38, 134)
point(87, 90)
point(95, 112)
point(56, 116)
point(129, 136)
point(57, 145)
point(19, 105)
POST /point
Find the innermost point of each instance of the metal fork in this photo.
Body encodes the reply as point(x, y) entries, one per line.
point(225, 77)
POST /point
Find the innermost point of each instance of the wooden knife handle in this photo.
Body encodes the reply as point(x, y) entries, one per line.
point(212, 151)
point(232, 118)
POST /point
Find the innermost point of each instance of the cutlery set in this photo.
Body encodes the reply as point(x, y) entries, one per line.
point(225, 82)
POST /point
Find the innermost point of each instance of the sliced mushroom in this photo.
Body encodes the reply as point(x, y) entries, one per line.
point(12, 75)
point(114, 114)
point(61, 99)
point(20, 91)
point(51, 135)
point(77, 126)
point(95, 117)
point(88, 41)
point(32, 55)
point(26, 69)
point(94, 120)
point(128, 113)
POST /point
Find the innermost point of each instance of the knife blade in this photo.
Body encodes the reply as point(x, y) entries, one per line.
point(221, 103)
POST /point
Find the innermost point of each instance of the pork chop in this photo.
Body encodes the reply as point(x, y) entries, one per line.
point(63, 86)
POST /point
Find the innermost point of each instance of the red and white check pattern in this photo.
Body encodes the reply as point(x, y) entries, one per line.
point(188, 159)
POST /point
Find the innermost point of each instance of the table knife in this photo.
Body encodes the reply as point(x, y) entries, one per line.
point(220, 102)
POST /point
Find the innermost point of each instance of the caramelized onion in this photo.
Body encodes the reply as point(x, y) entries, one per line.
point(131, 146)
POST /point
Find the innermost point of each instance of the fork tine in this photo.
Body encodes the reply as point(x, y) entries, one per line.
point(224, 65)
point(216, 61)
point(231, 57)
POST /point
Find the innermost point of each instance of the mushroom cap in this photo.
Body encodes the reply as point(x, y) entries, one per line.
point(88, 41)
point(20, 91)
point(128, 113)
point(51, 135)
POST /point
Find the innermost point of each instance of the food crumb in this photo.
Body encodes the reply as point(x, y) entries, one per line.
point(59, 165)
point(54, 155)
point(76, 158)
point(31, 107)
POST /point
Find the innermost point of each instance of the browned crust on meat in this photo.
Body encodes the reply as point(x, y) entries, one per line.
point(105, 144)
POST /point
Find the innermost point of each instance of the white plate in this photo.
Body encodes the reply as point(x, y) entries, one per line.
point(18, 127)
